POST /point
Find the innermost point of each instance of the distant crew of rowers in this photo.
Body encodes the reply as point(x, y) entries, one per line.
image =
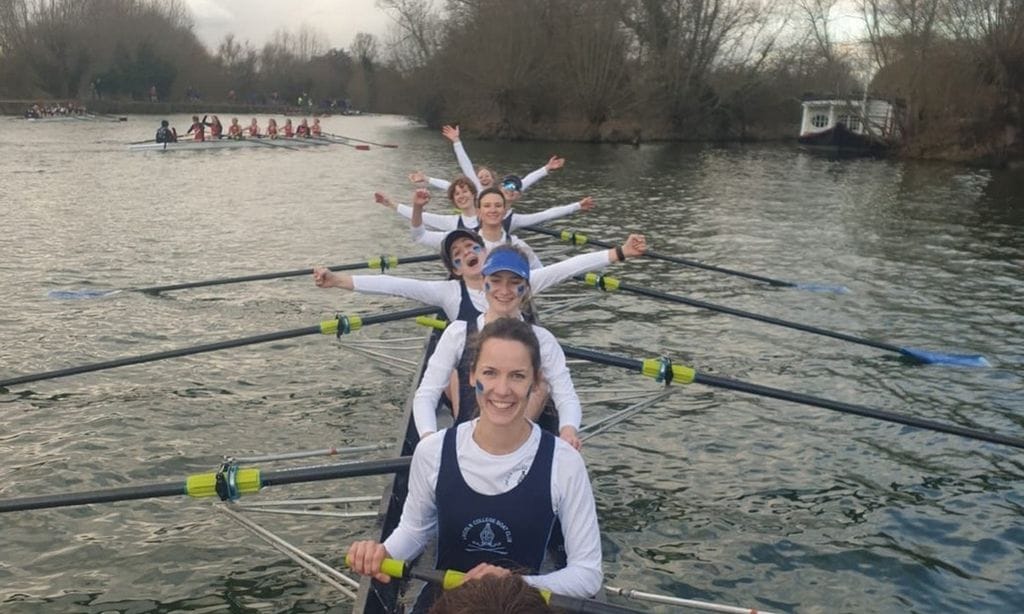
point(199, 127)
point(60, 109)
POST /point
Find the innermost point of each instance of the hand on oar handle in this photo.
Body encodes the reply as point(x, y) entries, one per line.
point(635, 246)
point(555, 163)
point(366, 557)
point(326, 278)
point(417, 177)
point(484, 570)
point(587, 203)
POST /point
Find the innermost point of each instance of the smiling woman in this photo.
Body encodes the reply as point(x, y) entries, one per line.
point(511, 480)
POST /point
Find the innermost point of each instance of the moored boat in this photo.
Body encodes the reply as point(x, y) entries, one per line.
point(850, 126)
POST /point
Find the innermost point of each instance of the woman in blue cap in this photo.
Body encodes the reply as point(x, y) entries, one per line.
point(507, 286)
point(462, 295)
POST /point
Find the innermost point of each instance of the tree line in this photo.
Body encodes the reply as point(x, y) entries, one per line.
point(143, 49)
point(714, 69)
point(568, 69)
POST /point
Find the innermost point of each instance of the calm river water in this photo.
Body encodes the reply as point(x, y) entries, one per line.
point(708, 494)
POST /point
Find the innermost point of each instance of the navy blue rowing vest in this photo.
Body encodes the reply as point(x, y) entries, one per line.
point(467, 310)
point(467, 394)
point(511, 529)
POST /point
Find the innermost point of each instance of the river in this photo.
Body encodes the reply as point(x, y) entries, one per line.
point(708, 494)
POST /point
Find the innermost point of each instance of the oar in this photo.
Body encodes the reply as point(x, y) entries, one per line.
point(582, 239)
point(228, 483)
point(630, 593)
point(449, 579)
point(330, 138)
point(381, 262)
point(663, 370)
point(609, 284)
point(270, 143)
point(342, 325)
point(349, 138)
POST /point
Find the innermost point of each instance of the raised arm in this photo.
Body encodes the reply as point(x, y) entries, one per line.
point(554, 163)
point(453, 134)
point(528, 219)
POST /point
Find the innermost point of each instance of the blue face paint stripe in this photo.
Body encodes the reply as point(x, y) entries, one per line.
point(480, 387)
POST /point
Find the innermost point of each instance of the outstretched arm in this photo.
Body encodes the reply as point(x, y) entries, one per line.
point(453, 134)
point(553, 164)
point(528, 219)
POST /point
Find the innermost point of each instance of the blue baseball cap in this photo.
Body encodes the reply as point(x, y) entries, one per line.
point(512, 183)
point(507, 260)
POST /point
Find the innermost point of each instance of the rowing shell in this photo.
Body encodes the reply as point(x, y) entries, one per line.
point(190, 145)
point(374, 597)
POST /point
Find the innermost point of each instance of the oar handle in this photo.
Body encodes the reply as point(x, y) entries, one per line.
point(449, 579)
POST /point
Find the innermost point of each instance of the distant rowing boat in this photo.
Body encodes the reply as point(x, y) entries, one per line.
point(281, 143)
point(76, 118)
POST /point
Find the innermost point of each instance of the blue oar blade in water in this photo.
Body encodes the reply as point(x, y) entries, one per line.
point(815, 287)
point(80, 294)
point(929, 357)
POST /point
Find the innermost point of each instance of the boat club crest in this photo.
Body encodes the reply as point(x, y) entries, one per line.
point(480, 536)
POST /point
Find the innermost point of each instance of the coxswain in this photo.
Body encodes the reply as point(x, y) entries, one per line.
point(303, 130)
point(166, 134)
point(489, 490)
point(235, 129)
point(254, 129)
point(198, 128)
point(315, 128)
point(272, 128)
point(287, 130)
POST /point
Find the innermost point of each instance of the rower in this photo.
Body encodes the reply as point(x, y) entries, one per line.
point(493, 224)
point(198, 127)
point(216, 128)
point(462, 295)
point(254, 129)
point(235, 129)
point(483, 176)
point(315, 128)
point(462, 193)
point(469, 487)
point(507, 288)
point(303, 130)
point(287, 130)
point(166, 134)
point(272, 128)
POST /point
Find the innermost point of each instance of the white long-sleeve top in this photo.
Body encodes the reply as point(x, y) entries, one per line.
point(440, 221)
point(466, 166)
point(447, 355)
point(447, 294)
point(572, 501)
point(435, 238)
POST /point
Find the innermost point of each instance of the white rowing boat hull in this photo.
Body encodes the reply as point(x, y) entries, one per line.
point(228, 144)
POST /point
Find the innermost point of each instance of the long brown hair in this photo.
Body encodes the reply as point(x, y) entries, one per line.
point(492, 595)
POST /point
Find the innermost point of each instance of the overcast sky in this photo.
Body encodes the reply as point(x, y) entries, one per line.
point(257, 20)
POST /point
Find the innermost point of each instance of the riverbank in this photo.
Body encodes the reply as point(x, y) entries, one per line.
point(121, 107)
